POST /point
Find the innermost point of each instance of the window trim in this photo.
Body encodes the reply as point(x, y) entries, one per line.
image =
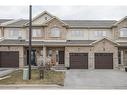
point(122, 36)
point(74, 33)
point(103, 33)
point(54, 31)
point(37, 36)
point(12, 32)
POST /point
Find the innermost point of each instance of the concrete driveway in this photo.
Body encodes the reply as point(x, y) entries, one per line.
point(95, 79)
point(5, 71)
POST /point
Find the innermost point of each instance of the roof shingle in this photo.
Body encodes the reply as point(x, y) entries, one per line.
point(90, 23)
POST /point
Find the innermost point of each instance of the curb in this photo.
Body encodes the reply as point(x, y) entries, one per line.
point(33, 86)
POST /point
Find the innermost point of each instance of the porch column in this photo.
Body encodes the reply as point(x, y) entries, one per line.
point(44, 55)
point(122, 63)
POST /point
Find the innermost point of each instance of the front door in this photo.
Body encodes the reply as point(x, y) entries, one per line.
point(61, 57)
point(33, 57)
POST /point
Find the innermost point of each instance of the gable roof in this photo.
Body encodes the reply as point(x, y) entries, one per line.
point(39, 15)
point(120, 21)
point(103, 39)
point(54, 17)
point(90, 23)
point(70, 23)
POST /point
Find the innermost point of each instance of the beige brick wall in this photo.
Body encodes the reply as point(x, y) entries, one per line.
point(101, 47)
point(55, 23)
point(15, 48)
point(125, 57)
point(41, 19)
point(116, 29)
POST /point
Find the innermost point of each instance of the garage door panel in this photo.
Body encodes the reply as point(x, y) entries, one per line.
point(78, 60)
point(103, 61)
point(9, 59)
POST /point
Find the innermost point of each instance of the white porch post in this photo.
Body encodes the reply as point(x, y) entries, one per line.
point(44, 55)
point(122, 63)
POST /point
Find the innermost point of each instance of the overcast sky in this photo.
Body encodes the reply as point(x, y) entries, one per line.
point(67, 12)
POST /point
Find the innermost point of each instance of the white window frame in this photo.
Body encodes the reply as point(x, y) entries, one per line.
point(100, 33)
point(14, 33)
point(122, 32)
point(77, 34)
point(36, 32)
point(55, 32)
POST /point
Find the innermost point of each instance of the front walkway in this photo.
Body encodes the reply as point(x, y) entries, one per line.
point(95, 79)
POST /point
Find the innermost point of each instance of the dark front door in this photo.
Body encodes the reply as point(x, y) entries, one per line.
point(33, 57)
point(103, 61)
point(61, 57)
point(79, 60)
point(9, 59)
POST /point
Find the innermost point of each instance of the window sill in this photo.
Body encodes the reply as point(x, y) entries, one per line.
point(54, 37)
point(123, 37)
point(37, 37)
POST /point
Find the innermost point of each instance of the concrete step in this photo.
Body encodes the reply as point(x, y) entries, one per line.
point(58, 67)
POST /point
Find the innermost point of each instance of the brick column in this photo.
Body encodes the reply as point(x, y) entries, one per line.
point(91, 60)
point(44, 54)
point(122, 63)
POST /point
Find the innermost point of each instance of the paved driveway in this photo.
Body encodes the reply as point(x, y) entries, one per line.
point(95, 79)
point(5, 71)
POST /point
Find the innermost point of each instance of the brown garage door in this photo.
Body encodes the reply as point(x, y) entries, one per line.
point(79, 60)
point(9, 59)
point(103, 61)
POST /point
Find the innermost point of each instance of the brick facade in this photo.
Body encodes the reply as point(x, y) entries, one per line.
point(103, 46)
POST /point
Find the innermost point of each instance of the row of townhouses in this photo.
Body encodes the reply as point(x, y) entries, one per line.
point(75, 44)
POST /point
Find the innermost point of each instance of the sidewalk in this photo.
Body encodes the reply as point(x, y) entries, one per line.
point(30, 86)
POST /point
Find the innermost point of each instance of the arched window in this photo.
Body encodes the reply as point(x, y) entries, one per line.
point(55, 32)
point(123, 32)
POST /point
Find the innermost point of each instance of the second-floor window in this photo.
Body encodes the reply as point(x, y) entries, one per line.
point(55, 32)
point(14, 33)
point(123, 32)
point(100, 33)
point(36, 33)
point(77, 34)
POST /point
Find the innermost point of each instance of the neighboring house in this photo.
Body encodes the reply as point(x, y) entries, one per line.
point(76, 44)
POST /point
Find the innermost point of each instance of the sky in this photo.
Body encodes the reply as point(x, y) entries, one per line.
point(67, 12)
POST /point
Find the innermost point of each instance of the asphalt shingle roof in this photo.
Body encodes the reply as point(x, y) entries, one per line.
point(10, 42)
point(39, 43)
point(19, 23)
point(71, 23)
point(23, 42)
point(90, 23)
point(4, 20)
point(80, 41)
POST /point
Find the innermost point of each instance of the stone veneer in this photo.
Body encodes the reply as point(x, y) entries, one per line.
point(104, 46)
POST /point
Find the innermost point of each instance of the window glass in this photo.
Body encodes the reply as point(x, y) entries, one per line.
point(14, 33)
point(36, 33)
point(55, 32)
point(123, 32)
point(100, 33)
point(50, 52)
point(77, 34)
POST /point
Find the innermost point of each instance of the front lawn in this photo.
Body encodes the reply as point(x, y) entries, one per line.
point(50, 77)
